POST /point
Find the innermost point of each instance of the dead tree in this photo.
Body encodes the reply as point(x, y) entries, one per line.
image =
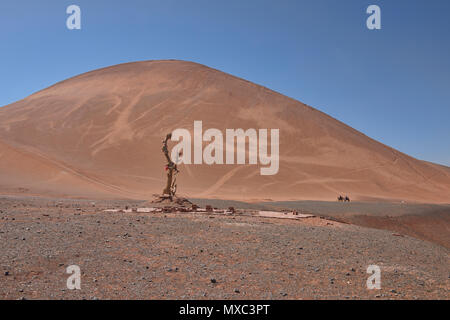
point(172, 170)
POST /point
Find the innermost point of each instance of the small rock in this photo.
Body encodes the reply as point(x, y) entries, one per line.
point(213, 280)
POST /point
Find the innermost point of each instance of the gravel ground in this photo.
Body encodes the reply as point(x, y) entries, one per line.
point(201, 256)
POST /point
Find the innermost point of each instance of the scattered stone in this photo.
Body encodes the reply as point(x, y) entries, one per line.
point(213, 280)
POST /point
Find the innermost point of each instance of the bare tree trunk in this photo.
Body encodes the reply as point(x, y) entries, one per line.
point(171, 168)
point(167, 190)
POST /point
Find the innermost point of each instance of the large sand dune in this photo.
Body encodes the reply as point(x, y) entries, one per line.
point(99, 135)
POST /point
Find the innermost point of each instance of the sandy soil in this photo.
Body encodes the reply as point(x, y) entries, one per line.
point(428, 222)
point(201, 256)
point(423, 221)
point(98, 135)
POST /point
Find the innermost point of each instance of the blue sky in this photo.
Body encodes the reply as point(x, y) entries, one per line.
point(392, 84)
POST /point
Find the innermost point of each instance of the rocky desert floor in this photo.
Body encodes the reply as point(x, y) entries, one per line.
point(204, 256)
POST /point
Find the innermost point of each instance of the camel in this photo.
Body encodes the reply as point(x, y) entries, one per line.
point(342, 199)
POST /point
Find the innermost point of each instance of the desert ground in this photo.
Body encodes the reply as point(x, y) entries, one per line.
point(136, 255)
point(70, 151)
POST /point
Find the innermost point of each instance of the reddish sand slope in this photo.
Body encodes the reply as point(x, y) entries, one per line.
point(99, 135)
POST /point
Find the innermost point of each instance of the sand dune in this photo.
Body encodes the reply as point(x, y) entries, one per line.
point(99, 135)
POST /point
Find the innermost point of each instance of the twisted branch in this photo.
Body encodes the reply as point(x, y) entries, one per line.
point(172, 170)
